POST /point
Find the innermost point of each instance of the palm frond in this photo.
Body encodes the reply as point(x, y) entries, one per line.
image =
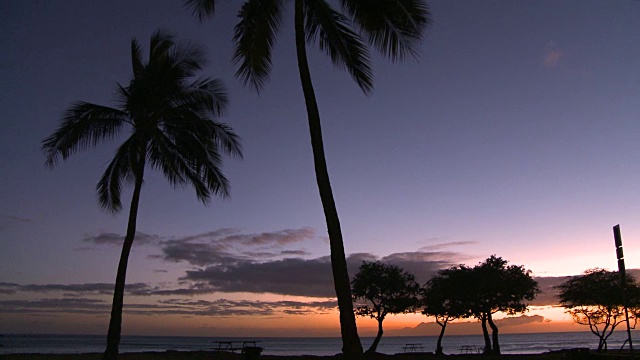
point(201, 8)
point(164, 156)
point(394, 27)
point(120, 169)
point(171, 116)
point(203, 94)
point(188, 158)
point(84, 125)
point(226, 139)
point(254, 38)
point(187, 57)
point(345, 48)
point(136, 58)
point(160, 44)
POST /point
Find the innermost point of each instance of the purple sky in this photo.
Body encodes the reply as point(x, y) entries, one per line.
point(516, 133)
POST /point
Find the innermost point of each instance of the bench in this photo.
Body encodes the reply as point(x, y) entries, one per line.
point(242, 347)
point(413, 348)
point(471, 349)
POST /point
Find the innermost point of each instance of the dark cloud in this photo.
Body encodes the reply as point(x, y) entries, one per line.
point(288, 276)
point(220, 308)
point(68, 305)
point(424, 264)
point(199, 254)
point(282, 237)
point(306, 277)
point(228, 246)
point(76, 289)
point(294, 253)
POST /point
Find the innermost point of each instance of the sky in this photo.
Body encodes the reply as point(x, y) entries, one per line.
point(515, 132)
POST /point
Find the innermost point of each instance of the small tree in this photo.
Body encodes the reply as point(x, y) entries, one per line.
point(443, 297)
point(596, 299)
point(496, 287)
point(388, 290)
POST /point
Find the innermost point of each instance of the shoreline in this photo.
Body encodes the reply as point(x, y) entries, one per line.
point(576, 354)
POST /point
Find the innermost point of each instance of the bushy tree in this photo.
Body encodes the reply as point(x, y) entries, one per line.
point(393, 27)
point(498, 287)
point(445, 297)
point(387, 289)
point(596, 299)
point(169, 116)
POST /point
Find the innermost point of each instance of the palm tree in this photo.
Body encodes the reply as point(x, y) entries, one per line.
point(393, 27)
point(170, 116)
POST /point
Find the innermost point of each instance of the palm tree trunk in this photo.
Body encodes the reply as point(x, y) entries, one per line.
point(494, 335)
point(115, 323)
point(351, 345)
point(376, 341)
point(485, 333)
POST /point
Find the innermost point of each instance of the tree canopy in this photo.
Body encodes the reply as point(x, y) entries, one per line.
point(596, 299)
point(386, 289)
point(498, 287)
point(443, 297)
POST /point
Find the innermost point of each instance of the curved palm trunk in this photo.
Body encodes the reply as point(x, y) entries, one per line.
point(494, 335)
point(115, 323)
point(376, 341)
point(351, 345)
point(485, 333)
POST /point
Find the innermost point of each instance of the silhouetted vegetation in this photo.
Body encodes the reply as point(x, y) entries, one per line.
point(387, 289)
point(480, 291)
point(596, 299)
point(495, 287)
point(443, 298)
point(392, 27)
point(170, 118)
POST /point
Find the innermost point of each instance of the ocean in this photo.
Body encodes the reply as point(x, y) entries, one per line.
point(510, 343)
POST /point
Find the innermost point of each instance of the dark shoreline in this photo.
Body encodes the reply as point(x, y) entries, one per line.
point(569, 354)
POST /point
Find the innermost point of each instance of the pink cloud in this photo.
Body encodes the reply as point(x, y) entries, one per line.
point(552, 57)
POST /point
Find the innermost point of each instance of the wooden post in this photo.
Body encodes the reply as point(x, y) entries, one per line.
point(617, 237)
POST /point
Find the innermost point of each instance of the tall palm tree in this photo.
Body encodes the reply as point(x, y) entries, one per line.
point(393, 27)
point(170, 115)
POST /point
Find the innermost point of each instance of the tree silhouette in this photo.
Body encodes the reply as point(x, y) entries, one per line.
point(596, 299)
point(445, 297)
point(393, 27)
point(170, 117)
point(497, 287)
point(387, 289)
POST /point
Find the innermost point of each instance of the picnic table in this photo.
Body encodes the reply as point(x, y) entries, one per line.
point(242, 347)
point(470, 349)
point(409, 348)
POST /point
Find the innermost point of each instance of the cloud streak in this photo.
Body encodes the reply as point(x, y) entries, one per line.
point(218, 308)
point(228, 246)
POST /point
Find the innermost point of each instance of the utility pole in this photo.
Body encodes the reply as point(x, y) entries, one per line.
point(623, 279)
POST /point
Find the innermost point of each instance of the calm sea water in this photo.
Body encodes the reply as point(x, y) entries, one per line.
point(510, 343)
